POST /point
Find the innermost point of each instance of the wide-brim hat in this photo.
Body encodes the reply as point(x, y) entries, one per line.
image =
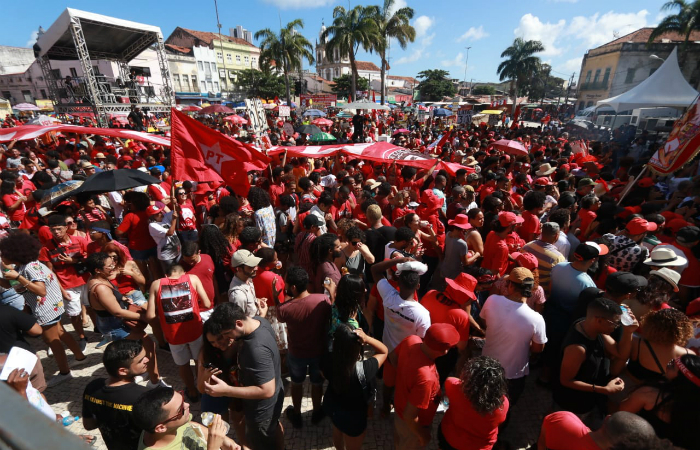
point(545, 169)
point(671, 276)
point(665, 257)
point(460, 221)
point(461, 289)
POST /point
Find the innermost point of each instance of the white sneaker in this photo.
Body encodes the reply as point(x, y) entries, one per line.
point(160, 383)
point(58, 379)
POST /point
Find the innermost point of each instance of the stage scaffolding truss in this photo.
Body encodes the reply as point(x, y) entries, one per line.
point(87, 37)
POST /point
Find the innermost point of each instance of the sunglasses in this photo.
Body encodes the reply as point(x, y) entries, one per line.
point(615, 324)
point(180, 410)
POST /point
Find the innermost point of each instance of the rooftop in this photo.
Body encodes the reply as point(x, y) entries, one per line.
point(208, 37)
point(396, 77)
point(366, 65)
point(177, 48)
point(642, 36)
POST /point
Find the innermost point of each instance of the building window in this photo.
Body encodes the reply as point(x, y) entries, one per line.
point(43, 93)
point(96, 70)
point(6, 95)
point(246, 60)
point(204, 86)
point(255, 62)
point(176, 81)
point(201, 65)
point(219, 56)
point(337, 72)
point(73, 72)
point(228, 58)
point(597, 76)
point(216, 86)
point(630, 76)
point(185, 81)
point(27, 96)
point(318, 58)
point(238, 59)
point(210, 86)
point(589, 104)
point(606, 77)
point(56, 74)
point(588, 77)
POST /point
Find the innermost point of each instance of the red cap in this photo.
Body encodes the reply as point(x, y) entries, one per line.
point(440, 337)
point(639, 226)
point(693, 308)
point(670, 215)
point(676, 224)
point(566, 166)
point(629, 210)
point(127, 158)
point(645, 182)
point(543, 181)
point(461, 289)
point(507, 218)
point(527, 260)
point(153, 210)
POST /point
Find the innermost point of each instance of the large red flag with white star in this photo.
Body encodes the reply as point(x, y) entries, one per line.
point(199, 153)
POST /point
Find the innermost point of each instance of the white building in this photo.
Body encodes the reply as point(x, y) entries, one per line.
point(333, 66)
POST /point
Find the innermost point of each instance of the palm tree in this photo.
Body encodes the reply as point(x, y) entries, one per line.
point(520, 64)
point(395, 26)
point(350, 30)
point(684, 22)
point(288, 49)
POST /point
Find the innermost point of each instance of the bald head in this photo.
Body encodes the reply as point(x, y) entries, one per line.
point(623, 426)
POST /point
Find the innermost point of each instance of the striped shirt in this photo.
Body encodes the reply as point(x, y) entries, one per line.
point(547, 257)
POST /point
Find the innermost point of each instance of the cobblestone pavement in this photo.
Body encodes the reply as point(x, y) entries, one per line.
point(522, 432)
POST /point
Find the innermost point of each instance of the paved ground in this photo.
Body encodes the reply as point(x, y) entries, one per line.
point(522, 432)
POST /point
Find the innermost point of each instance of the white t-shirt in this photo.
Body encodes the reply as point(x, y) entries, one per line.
point(402, 318)
point(510, 326)
point(563, 245)
point(115, 201)
point(315, 210)
point(168, 247)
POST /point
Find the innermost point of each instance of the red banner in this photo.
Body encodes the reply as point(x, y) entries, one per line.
point(200, 153)
point(26, 132)
point(682, 145)
point(318, 101)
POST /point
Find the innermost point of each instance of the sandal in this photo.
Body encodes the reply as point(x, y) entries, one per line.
point(89, 439)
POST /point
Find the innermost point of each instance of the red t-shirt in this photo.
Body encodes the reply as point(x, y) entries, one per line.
point(157, 192)
point(419, 383)
point(177, 306)
point(530, 226)
point(564, 431)
point(495, 254)
point(263, 286)
point(339, 211)
point(587, 217)
point(204, 269)
point(188, 217)
point(31, 219)
point(18, 214)
point(44, 234)
point(444, 310)
point(463, 427)
point(66, 273)
point(135, 225)
point(275, 193)
point(689, 277)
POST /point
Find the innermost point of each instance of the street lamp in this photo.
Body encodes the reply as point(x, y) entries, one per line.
point(466, 64)
point(657, 58)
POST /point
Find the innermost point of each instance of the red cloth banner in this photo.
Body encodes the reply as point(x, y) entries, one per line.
point(26, 132)
point(200, 153)
point(682, 145)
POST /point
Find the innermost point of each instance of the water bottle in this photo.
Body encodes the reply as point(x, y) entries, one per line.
point(625, 318)
point(69, 420)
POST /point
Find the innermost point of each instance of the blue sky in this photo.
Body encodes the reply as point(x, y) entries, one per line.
point(444, 27)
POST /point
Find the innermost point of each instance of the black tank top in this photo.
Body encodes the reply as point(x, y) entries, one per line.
point(642, 373)
point(118, 295)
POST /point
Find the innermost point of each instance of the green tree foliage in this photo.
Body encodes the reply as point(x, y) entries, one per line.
point(520, 64)
point(392, 26)
point(343, 85)
point(434, 85)
point(287, 49)
point(352, 29)
point(263, 84)
point(684, 22)
point(484, 90)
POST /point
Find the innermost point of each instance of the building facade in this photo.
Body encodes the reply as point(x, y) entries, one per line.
point(231, 54)
point(620, 65)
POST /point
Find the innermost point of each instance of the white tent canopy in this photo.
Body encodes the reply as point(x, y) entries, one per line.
point(665, 87)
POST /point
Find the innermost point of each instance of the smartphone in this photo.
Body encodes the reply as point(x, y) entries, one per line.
point(209, 366)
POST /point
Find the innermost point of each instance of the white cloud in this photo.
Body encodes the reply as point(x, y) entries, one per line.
point(398, 4)
point(422, 24)
point(456, 62)
point(599, 29)
point(32, 39)
point(473, 34)
point(569, 66)
point(532, 28)
point(419, 51)
point(299, 4)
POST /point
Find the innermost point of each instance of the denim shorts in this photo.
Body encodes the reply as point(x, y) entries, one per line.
point(112, 328)
point(137, 297)
point(11, 298)
point(298, 368)
point(144, 255)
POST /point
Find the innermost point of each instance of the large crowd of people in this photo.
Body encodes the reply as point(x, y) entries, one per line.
point(438, 290)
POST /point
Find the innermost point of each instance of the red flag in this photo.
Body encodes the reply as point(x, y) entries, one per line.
point(681, 147)
point(444, 139)
point(374, 99)
point(199, 153)
point(277, 100)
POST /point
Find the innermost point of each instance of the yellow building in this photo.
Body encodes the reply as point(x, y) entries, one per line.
point(598, 66)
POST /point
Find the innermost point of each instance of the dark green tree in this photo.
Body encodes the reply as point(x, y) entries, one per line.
point(343, 85)
point(483, 90)
point(263, 84)
point(684, 22)
point(434, 85)
point(520, 65)
point(394, 25)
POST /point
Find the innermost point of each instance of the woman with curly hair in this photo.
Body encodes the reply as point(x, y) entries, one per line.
point(478, 405)
point(232, 227)
point(671, 406)
point(263, 214)
point(355, 253)
point(659, 290)
point(213, 243)
point(42, 294)
point(664, 334)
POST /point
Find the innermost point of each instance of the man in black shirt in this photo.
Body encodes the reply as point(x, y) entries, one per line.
point(259, 381)
point(14, 325)
point(108, 404)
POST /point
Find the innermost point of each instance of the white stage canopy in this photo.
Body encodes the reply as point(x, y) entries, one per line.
point(106, 37)
point(665, 87)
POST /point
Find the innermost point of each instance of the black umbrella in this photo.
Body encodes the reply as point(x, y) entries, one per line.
point(309, 129)
point(117, 180)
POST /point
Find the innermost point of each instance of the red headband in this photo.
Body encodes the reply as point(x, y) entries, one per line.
point(687, 373)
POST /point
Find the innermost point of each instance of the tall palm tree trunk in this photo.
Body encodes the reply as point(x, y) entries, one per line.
point(286, 85)
point(353, 78)
point(515, 96)
point(383, 75)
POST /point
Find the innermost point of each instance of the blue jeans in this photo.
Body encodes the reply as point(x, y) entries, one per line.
point(137, 297)
point(298, 366)
point(11, 298)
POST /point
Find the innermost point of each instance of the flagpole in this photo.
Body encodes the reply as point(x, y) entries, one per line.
point(628, 188)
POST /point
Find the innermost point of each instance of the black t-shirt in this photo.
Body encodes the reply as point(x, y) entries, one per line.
point(111, 407)
point(376, 240)
point(259, 362)
point(352, 399)
point(13, 323)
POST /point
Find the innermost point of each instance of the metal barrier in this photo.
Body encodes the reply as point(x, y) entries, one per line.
point(22, 427)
